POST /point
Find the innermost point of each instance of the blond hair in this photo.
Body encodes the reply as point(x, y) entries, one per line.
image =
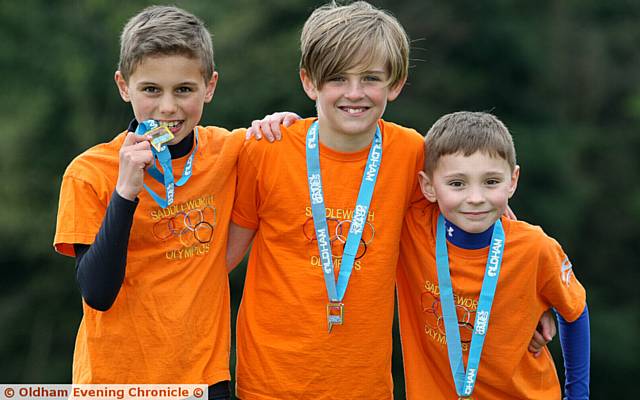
point(336, 39)
point(165, 30)
point(467, 133)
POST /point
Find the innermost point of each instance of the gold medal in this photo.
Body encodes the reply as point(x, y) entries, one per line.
point(160, 136)
point(335, 314)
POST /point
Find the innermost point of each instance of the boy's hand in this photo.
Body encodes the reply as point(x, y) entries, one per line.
point(269, 126)
point(544, 334)
point(135, 156)
point(508, 212)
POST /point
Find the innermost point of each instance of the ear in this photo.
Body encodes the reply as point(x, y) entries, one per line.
point(515, 175)
point(308, 85)
point(395, 90)
point(426, 186)
point(122, 85)
point(211, 87)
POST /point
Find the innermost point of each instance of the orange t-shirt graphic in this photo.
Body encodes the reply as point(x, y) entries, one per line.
point(284, 349)
point(535, 276)
point(170, 321)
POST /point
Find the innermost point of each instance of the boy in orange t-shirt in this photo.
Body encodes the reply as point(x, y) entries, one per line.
point(354, 60)
point(468, 277)
point(300, 335)
point(151, 269)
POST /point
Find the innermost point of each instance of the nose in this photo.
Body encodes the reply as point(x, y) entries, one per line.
point(475, 195)
point(354, 90)
point(168, 104)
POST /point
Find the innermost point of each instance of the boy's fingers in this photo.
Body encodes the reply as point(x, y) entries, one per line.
point(290, 119)
point(133, 138)
point(547, 326)
point(254, 130)
point(536, 344)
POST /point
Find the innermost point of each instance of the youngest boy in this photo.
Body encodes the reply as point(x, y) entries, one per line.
point(469, 277)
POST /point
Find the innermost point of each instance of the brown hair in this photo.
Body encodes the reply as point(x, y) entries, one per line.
point(165, 30)
point(467, 133)
point(336, 38)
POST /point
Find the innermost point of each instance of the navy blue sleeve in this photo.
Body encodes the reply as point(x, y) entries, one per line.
point(100, 267)
point(576, 350)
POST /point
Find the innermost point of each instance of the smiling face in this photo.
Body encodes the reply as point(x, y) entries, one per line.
point(350, 104)
point(472, 191)
point(170, 89)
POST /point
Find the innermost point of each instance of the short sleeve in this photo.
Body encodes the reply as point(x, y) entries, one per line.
point(80, 214)
point(560, 288)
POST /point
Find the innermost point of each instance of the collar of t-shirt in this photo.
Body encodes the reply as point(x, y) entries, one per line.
point(177, 150)
point(466, 240)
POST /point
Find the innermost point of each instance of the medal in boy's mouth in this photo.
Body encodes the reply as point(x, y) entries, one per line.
point(173, 126)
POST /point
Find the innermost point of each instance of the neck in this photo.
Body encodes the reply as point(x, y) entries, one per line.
point(342, 142)
point(466, 240)
point(182, 148)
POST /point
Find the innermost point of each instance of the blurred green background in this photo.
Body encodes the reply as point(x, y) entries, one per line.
point(563, 75)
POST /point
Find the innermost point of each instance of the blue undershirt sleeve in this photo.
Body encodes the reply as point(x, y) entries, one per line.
point(100, 267)
point(576, 348)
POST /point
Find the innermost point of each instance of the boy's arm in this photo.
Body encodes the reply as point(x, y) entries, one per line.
point(269, 126)
point(576, 347)
point(237, 244)
point(100, 267)
point(545, 333)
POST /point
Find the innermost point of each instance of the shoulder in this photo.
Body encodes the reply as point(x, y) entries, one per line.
point(99, 160)
point(293, 139)
point(216, 140)
point(531, 238)
point(397, 133)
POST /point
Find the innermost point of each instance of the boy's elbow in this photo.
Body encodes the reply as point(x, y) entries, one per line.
point(99, 303)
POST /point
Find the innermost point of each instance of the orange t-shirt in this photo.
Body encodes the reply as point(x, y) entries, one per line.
point(535, 276)
point(284, 349)
point(170, 320)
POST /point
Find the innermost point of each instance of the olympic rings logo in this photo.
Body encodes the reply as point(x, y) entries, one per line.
point(432, 307)
point(339, 230)
point(191, 227)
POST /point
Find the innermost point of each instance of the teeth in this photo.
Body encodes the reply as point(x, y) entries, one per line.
point(351, 110)
point(169, 124)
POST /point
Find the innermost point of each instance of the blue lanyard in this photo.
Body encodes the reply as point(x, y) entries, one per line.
point(336, 291)
point(466, 380)
point(164, 158)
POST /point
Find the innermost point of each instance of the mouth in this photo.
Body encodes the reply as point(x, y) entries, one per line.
point(353, 110)
point(173, 126)
point(475, 214)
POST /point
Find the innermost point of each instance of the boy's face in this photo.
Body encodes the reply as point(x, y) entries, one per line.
point(471, 191)
point(169, 89)
point(352, 102)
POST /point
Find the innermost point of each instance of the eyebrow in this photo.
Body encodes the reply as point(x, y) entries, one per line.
point(185, 83)
point(461, 174)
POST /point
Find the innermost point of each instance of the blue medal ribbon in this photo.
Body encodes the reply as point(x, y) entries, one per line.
point(164, 158)
point(336, 291)
point(465, 380)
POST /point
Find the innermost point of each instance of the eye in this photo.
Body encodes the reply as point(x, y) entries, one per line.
point(336, 78)
point(493, 181)
point(184, 90)
point(455, 184)
point(372, 78)
point(151, 90)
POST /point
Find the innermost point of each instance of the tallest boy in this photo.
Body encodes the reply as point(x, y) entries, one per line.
point(354, 60)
